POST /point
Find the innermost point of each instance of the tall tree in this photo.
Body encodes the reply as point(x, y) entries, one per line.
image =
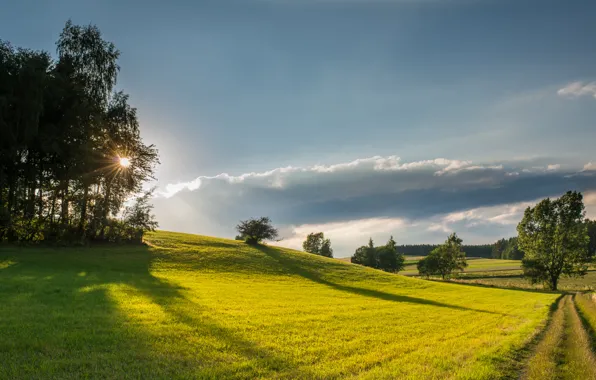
point(62, 133)
point(554, 237)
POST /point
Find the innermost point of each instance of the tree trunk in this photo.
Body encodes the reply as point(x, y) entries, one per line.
point(83, 212)
point(104, 211)
point(53, 209)
point(10, 204)
point(64, 203)
point(553, 283)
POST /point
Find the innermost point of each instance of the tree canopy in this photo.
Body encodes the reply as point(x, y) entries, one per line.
point(445, 259)
point(553, 234)
point(385, 257)
point(65, 136)
point(317, 244)
point(255, 230)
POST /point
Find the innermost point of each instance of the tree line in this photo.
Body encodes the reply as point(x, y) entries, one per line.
point(554, 239)
point(71, 154)
point(480, 250)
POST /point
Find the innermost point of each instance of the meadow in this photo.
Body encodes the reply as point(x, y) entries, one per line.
point(187, 306)
point(474, 265)
point(515, 279)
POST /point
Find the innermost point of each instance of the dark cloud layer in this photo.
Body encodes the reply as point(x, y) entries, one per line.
point(369, 188)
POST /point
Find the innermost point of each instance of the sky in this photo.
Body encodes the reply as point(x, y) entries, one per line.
point(358, 118)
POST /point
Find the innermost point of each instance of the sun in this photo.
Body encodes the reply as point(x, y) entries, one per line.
point(124, 162)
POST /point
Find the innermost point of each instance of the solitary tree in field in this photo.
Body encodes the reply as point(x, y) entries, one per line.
point(445, 259)
point(317, 244)
point(255, 230)
point(553, 235)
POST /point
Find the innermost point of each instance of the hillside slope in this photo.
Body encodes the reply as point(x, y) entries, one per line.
point(188, 306)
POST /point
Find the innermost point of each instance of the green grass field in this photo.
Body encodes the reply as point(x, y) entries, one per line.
point(515, 279)
point(474, 265)
point(187, 306)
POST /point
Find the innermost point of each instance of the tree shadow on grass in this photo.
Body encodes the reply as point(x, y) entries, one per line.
point(60, 320)
point(309, 272)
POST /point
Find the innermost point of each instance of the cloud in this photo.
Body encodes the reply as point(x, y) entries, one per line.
point(577, 89)
point(589, 166)
point(370, 196)
point(344, 235)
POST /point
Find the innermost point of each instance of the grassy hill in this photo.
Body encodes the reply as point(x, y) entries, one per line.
point(188, 306)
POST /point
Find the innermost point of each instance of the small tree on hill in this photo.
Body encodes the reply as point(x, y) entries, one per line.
point(389, 259)
point(428, 266)
point(553, 235)
point(138, 218)
point(366, 255)
point(317, 244)
point(445, 259)
point(255, 230)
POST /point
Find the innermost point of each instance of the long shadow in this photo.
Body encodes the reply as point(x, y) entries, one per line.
point(59, 302)
point(312, 275)
point(174, 302)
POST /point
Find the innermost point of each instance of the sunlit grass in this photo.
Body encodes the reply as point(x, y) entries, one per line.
point(196, 307)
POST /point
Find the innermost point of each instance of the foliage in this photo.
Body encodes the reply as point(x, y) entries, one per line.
point(591, 230)
point(554, 238)
point(507, 249)
point(445, 259)
point(389, 259)
point(366, 255)
point(138, 217)
point(385, 257)
point(484, 250)
point(255, 230)
point(188, 306)
point(317, 244)
point(62, 132)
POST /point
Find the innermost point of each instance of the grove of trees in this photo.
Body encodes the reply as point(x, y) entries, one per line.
point(385, 257)
point(445, 259)
point(554, 236)
point(507, 249)
point(317, 244)
point(71, 154)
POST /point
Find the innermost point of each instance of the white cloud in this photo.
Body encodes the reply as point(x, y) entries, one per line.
point(346, 235)
point(589, 166)
point(553, 167)
point(576, 89)
point(279, 177)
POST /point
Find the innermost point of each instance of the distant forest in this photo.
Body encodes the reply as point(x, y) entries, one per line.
point(501, 249)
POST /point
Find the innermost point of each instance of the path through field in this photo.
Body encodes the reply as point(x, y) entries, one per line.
point(566, 350)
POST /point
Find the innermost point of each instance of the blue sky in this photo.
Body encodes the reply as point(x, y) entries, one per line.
point(239, 87)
